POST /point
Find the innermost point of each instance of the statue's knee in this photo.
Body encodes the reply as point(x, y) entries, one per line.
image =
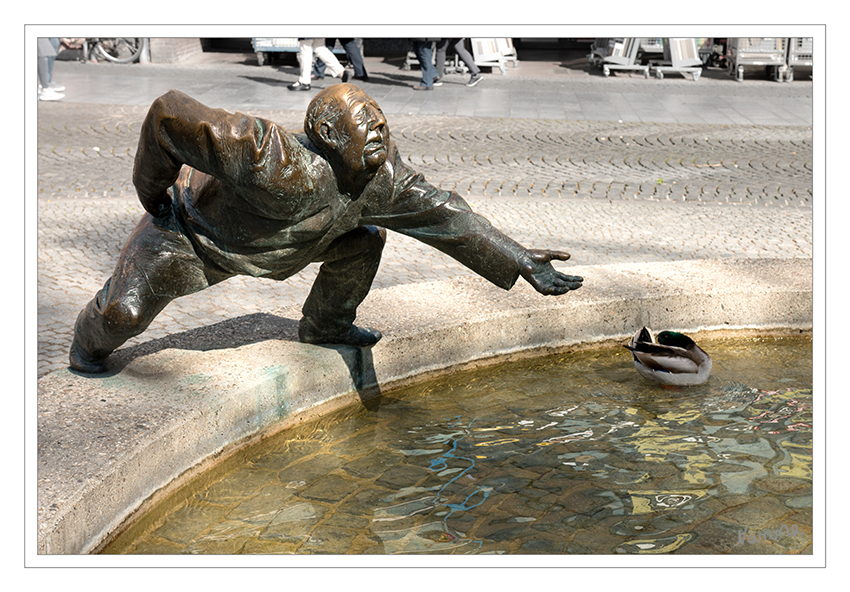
point(124, 318)
point(375, 236)
point(362, 240)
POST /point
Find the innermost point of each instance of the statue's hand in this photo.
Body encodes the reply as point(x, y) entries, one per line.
point(158, 206)
point(538, 271)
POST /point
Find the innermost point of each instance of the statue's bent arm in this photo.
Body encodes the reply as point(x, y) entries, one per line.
point(235, 148)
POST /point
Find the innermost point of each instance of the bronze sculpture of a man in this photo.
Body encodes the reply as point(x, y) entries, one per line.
point(228, 194)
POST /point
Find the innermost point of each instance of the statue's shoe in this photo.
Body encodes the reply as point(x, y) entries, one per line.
point(82, 362)
point(354, 335)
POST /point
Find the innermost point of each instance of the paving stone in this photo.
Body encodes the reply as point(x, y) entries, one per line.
point(225, 538)
point(190, 521)
point(401, 476)
point(331, 489)
point(256, 509)
point(268, 547)
point(373, 464)
point(785, 485)
point(329, 540)
point(309, 469)
point(294, 523)
point(157, 547)
point(754, 514)
point(228, 490)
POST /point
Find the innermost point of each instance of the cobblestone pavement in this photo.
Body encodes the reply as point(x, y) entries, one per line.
point(606, 191)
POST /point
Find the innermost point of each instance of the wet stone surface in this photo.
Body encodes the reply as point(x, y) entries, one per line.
point(574, 454)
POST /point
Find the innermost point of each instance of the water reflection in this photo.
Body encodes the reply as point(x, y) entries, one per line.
point(568, 454)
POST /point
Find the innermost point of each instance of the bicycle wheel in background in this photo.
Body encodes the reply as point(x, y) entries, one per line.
point(120, 50)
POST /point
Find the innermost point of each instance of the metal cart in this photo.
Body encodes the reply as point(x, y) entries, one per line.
point(756, 51)
point(651, 48)
point(264, 46)
point(800, 51)
point(680, 55)
point(623, 55)
point(495, 52)
point(598, 51)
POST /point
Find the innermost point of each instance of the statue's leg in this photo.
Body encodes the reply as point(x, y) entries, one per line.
point(156, 265)
point(348, 268)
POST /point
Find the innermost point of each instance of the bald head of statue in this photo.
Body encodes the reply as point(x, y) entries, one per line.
point(350, 129)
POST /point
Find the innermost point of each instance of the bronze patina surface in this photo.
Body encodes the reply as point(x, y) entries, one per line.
point(228, 194)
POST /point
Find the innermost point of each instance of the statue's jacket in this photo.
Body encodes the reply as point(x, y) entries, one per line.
point(256, 200)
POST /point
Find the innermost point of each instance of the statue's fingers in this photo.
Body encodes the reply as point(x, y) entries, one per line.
point(570, 278)
point(557, 255)
point(561, 284)
point(555, 283)
point(543, 256)
point(571, 283)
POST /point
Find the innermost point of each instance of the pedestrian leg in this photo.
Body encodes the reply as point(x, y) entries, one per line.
point(305, 59)
point(327, 56)
point(44, 72)
point(423, 52)
point(467, 59)
point(352, 50)
point(465, 56)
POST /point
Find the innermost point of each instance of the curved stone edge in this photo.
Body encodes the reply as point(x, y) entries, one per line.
point(107, 444)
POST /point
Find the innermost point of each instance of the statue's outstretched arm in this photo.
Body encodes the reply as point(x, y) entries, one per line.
point(444, 220)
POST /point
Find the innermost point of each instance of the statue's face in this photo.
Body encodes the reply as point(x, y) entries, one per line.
point(364, 128)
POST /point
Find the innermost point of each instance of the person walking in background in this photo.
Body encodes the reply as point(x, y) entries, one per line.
point(352, 50)
point(463, 54)
point(306, 48)
point(424, 54)
point(54, 41)
point(45, 51)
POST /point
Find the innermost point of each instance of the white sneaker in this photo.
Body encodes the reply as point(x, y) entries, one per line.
point(56, 87)
point(48, 94)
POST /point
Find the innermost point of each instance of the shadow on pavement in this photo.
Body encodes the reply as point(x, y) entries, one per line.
point(232, 333)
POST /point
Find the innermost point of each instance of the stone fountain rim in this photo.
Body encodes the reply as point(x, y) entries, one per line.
point(209, 419)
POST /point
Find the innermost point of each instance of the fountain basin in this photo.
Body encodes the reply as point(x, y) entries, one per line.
point(112, 444)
